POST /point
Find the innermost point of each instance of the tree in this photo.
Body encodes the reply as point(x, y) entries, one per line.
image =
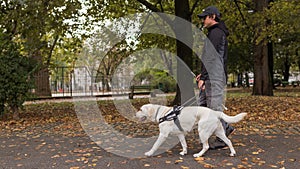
point(102, 53)
point(262, 75)
point(253, 26)
point(15, 71)
point(281, 28)
point(39, 25)
point(181, 9)
point(284, 31)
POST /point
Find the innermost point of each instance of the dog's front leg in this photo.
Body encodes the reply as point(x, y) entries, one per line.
point(161, 138)
point(183, 144)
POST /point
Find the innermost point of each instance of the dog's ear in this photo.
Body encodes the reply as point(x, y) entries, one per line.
point(144, 108)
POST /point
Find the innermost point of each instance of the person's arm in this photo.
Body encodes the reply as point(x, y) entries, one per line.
point(204, 73)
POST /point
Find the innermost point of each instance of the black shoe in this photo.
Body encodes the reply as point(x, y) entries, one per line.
point(229, 130)
point(217, 144)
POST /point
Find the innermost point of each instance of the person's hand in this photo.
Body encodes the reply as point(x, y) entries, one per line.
point(201, 85)
point(198, 77)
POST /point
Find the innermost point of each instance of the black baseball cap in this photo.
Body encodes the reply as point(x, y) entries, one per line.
point(209, 11)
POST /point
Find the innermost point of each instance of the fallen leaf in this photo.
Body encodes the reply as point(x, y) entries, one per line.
point(74, 167)
point(20, 165)
point(281, 162)
point(229, 164)
point(55, 156)
point(273, 166)
point(208, 165)
point(178, 161)
point(241, 166)
point(87, 155)
point(199, 159)
point(245, 159)
point(292, 159)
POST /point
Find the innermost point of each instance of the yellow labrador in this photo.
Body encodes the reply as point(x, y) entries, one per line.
point(207, 119)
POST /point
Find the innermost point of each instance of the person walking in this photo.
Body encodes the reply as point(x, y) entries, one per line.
point(213, 77)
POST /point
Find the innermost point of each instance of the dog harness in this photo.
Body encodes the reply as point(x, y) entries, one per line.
point(172, 115)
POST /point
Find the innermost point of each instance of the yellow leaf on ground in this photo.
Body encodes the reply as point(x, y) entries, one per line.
point(229, 164)
point(199, 159)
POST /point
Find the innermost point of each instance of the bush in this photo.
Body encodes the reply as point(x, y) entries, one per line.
point(158, 78)
point(15, 71)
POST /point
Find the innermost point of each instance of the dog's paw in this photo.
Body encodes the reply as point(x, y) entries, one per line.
point(197, 155)
point(149, 153)
point(232, 154)
point(183, 153)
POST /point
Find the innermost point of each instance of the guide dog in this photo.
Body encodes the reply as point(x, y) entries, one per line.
point(207, 119)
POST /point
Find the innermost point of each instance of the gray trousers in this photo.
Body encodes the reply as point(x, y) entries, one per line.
point(212, 97)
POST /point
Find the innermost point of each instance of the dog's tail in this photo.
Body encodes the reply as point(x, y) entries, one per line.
point(233, 119)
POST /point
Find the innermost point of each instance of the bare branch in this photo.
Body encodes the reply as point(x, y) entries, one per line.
point(239, 9)
point(194, 7)
point(153, 8)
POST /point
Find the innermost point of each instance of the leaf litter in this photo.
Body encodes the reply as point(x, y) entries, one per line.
point(265, 115)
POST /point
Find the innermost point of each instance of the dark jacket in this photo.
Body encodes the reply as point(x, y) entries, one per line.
point(217, 34)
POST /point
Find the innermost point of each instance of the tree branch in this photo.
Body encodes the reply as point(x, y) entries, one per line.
point(195, 5)
point(161, 7)
point(239, 9)
point(153, 8)
point(246, 4)
point(149, 5)
point(51, 50)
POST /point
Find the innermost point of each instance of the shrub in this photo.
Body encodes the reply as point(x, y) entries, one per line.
point(15, 71)
point(160, 79)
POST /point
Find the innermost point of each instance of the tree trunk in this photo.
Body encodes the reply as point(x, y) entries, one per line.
point(107, 83)
point(185, 88)
point(262, 76)
point(271, 62)
point(15, 111)
point(286, 72)
point(42, 82)
point(298, 56)
point(41, 78)
point(270, 52)
point(247, 80)
point(2, 106)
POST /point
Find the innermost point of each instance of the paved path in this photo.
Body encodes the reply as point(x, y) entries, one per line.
point(281, 150)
